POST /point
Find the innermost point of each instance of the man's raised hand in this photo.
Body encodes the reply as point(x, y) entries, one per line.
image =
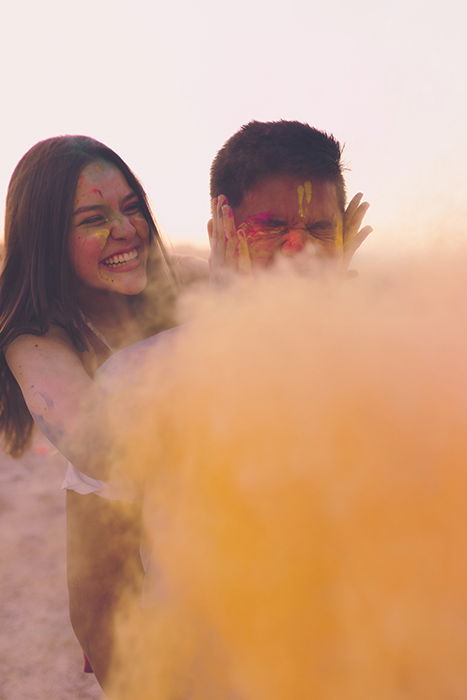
point(354, 235)
point(229, 246)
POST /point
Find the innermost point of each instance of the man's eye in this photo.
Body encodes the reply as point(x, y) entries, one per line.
point(275, 229)
point(322, 233)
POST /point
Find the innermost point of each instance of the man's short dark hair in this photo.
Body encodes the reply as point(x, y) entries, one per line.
point(261, 149)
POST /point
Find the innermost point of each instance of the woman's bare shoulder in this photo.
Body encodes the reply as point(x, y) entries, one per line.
point(56, 387)
point(51, 377)
point(55, 338)
point(49, 352)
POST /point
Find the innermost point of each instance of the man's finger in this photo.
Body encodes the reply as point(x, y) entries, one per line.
point(231, 236)
point(358, 215)
point(244, 260)
point(353, 206)
point(218, 231)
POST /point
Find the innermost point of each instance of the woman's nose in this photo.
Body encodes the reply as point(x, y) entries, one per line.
point(122, 227)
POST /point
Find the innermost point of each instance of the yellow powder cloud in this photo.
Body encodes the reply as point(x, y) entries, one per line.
point(302, 449)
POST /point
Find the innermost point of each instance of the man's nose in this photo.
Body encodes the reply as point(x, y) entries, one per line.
point(121, 227)
point(295, 241)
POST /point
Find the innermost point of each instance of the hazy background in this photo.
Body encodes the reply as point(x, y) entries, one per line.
point(165, 84)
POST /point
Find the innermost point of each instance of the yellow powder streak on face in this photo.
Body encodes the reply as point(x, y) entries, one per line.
point(300, 192)
point(304, 192)
point(102, 234)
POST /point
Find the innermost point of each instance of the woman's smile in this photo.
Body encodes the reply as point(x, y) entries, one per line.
point(121, 260)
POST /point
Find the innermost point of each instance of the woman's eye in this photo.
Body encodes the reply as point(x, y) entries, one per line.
point(92, 220)
point(132, 208)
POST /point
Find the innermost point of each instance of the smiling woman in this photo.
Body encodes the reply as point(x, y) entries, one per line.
point(85, 273)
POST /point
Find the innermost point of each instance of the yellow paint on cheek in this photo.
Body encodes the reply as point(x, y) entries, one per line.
point(304, 193)
point(101, 234)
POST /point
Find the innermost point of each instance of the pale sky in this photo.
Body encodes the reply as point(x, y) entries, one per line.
point(165, 84)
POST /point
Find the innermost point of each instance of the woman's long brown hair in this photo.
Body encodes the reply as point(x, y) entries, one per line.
point(37, 284)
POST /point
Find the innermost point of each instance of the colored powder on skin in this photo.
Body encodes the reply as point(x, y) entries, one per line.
point(263, 238)
point(97, 192)
point(101, 234)
point(304, 192)
point(244, 259)
point(300, 192)
point(259, 225)
point(294, 243)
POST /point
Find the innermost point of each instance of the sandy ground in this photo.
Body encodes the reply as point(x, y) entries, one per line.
point(39, 656)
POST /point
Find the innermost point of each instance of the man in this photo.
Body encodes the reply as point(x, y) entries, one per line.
point(277, 187)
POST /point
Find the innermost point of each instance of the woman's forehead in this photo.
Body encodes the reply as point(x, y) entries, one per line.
point(101, 178)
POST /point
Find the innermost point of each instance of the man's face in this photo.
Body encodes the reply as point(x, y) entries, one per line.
point(287, 214)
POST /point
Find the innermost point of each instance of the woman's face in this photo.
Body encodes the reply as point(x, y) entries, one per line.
point(109, 238)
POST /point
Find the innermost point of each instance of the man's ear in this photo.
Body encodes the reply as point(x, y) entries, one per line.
point(210, 228)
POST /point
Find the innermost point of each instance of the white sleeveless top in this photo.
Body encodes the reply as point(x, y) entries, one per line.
point(121, 361)
point(74, 479)
point(81, 483)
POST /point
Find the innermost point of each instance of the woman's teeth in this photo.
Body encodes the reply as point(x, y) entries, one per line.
point(120, 258)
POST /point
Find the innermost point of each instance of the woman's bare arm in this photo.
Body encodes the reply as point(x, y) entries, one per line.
point(64, 401)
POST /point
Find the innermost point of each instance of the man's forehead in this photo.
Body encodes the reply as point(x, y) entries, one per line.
point(287, 194)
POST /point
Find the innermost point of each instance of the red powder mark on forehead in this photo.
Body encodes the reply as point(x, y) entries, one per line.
point(97, 192)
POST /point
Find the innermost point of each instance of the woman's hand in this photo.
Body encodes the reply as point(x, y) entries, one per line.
point(353, 235)
point(229, 247)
